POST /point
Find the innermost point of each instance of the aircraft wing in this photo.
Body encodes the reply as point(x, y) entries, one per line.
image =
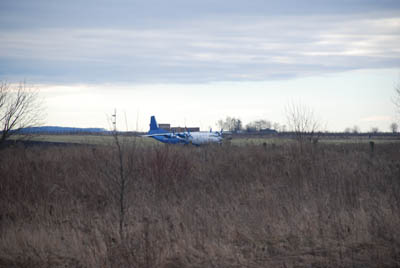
point(158, 134)
point(167, 135)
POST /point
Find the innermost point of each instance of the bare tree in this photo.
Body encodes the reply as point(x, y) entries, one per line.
point(119, 166)
point(302, 121)
point(262, 124)
point(250, 127)
point(230, 123)
point(355, 129)
point(374, 130)
point(258, 125)
point(394, 127)
point(276, 126)
point(20, 107)
point(396, 98)
point(122, 179)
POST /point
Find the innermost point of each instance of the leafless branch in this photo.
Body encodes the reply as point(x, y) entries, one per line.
point(302, 121)
point(396, 98)
point(20, 107)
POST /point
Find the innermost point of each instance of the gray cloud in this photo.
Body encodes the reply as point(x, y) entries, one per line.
point(128, 13)
point(186, 42)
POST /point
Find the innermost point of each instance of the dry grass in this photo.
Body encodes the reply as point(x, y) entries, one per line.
point(217, 206)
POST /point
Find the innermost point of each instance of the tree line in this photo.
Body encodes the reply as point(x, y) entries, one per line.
point(234, 124)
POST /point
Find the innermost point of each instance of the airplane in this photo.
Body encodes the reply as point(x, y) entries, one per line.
point(195, 138)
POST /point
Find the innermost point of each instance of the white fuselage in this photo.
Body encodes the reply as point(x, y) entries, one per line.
point(196, 138)
point(199, 138)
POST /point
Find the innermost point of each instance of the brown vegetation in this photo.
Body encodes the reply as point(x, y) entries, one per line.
point(216, 206)
point(20, 107)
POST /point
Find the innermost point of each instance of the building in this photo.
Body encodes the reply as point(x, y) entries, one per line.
point(184, 129)
point(166, 127)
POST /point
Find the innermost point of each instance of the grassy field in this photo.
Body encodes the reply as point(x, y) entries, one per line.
point(88, 139)
point(278, 204)
point(237, 140)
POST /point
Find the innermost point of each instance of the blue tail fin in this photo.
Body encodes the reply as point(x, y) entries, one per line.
point(154, 126)
point(153, 123)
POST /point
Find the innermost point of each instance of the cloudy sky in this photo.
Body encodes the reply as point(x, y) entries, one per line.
point(194, 62)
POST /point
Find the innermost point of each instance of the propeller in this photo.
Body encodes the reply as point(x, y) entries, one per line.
point(187, 133)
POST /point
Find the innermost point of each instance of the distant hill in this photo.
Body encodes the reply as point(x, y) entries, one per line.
point(60, 130)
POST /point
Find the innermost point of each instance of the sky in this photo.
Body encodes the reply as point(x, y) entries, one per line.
point(195, 62)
